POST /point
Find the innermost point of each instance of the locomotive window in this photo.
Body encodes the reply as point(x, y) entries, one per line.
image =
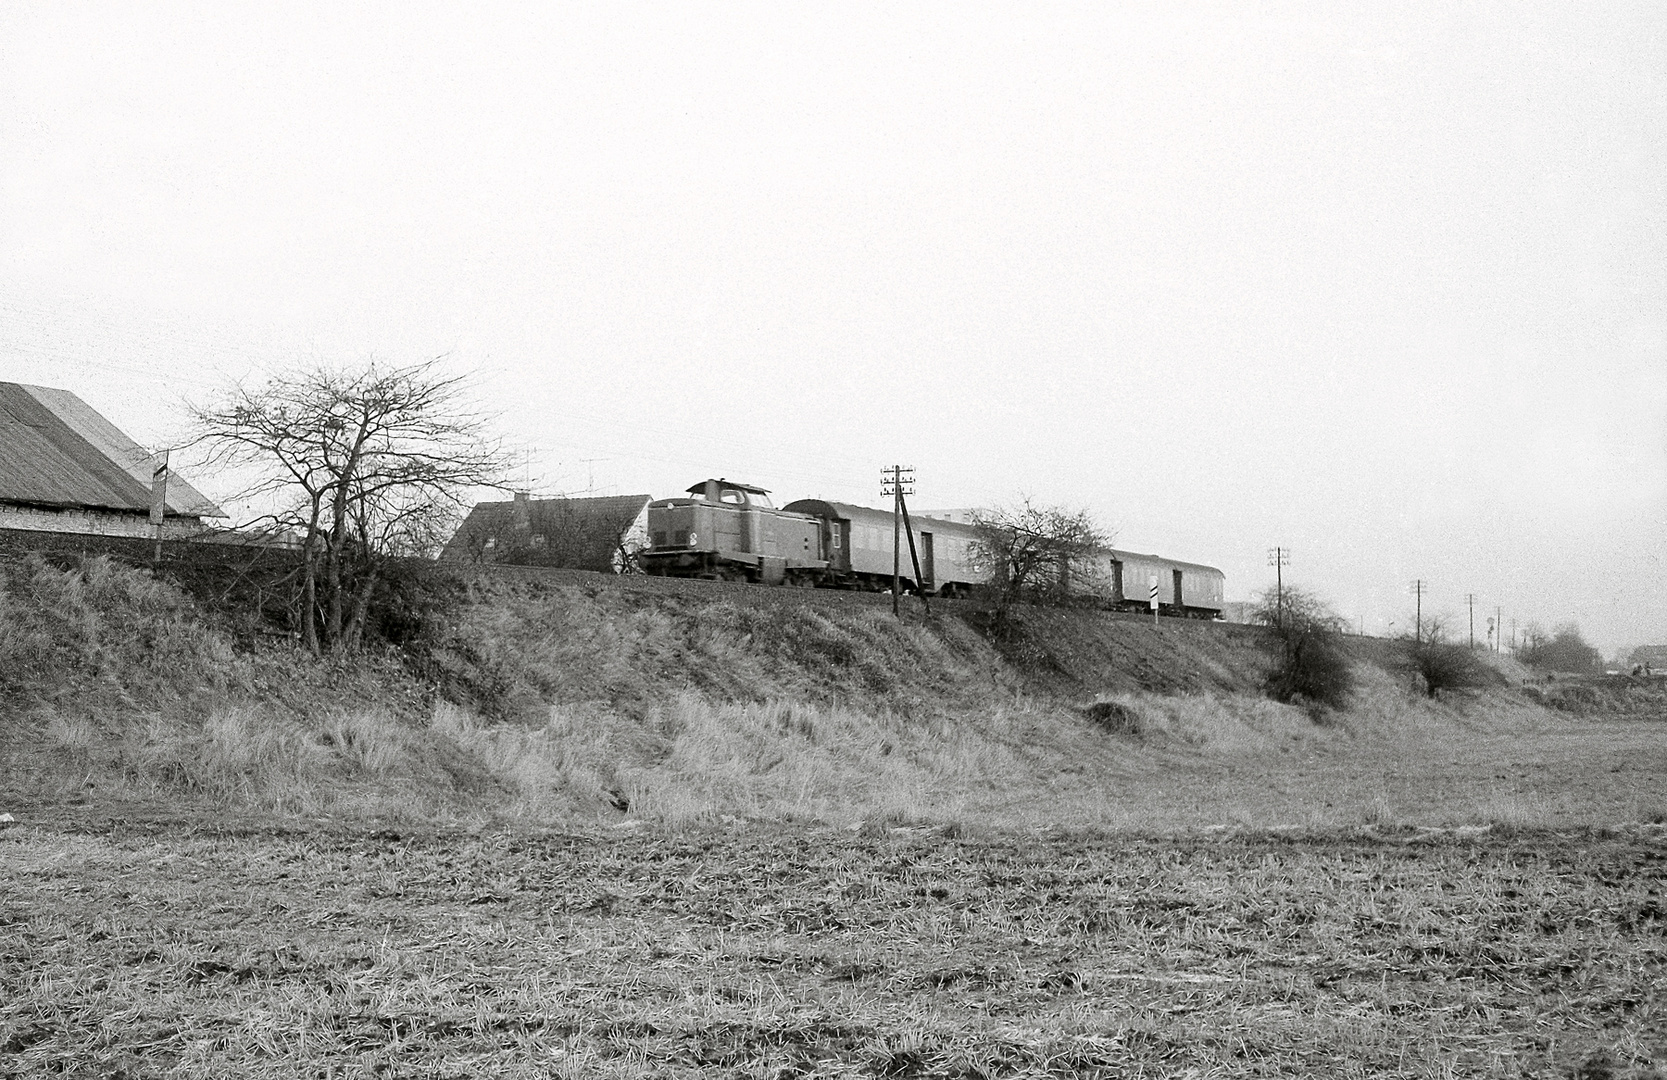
point(730, 495)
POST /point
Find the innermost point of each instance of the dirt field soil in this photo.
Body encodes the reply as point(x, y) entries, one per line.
point(181, 949)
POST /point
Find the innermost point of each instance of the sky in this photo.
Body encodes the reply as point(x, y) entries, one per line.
point(1382, 284)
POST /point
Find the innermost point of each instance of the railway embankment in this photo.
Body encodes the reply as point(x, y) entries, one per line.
point(552, 696)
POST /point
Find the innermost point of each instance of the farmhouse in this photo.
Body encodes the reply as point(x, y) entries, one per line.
point(1653, 657)
point(64, 468)
point(575, 534)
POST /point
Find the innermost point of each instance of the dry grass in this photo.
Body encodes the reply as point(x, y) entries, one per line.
point(177, 949)
point(594, 704)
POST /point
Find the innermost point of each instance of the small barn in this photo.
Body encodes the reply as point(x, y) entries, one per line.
point(570, 533)
point(64, 468)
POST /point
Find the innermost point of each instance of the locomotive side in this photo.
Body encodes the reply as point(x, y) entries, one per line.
point(730, 531)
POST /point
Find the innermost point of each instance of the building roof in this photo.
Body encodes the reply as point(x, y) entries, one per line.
point(56, 451)
point(578, 534)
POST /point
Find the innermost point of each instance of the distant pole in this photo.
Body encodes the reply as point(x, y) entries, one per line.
point(1279, 558)
point(1470, 598)
point(896, 537)
point(1418, 623)
point(1499, 634)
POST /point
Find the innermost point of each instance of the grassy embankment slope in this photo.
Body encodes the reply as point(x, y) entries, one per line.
point(562, 698)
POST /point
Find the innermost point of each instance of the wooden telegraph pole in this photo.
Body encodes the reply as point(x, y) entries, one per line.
point(1470, 598)
point(899, 481)
point(1279, 558)
point(1418, 589)
point(159, 500)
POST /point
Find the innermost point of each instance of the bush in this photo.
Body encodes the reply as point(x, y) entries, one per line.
point(1444, 666)
point(1564, 650)
point(1310, 665)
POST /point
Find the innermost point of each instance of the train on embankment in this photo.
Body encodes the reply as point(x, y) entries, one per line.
point(730, 531)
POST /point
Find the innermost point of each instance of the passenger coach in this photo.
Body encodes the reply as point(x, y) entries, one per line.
point(857, 543)
point(1126, 579)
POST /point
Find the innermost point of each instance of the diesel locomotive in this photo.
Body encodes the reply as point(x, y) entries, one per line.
point(731, 531)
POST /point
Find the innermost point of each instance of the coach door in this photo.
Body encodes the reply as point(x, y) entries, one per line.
point(928, 576)
point(838, 541)
point(1178, 601)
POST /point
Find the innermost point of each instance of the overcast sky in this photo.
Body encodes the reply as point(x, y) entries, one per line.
point(1386, 285)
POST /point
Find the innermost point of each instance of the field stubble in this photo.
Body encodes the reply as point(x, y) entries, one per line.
point(142, 948)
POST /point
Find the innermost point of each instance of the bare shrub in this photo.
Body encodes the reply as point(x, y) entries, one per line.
point(1025, 550)
point(1310, 665)
point(1442, 665)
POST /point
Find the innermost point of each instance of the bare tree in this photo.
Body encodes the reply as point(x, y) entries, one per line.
point(1027, 550)
point(364, 464)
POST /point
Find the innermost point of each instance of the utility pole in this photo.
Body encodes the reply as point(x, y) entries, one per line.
point(159, 499)
point(1499, 624)
point(1279, 558)
point(898, 481)
point(1470, 598)
point(1418, 587)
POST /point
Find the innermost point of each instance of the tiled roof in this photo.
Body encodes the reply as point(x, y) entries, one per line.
point(579, 534)
point(56, 451)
